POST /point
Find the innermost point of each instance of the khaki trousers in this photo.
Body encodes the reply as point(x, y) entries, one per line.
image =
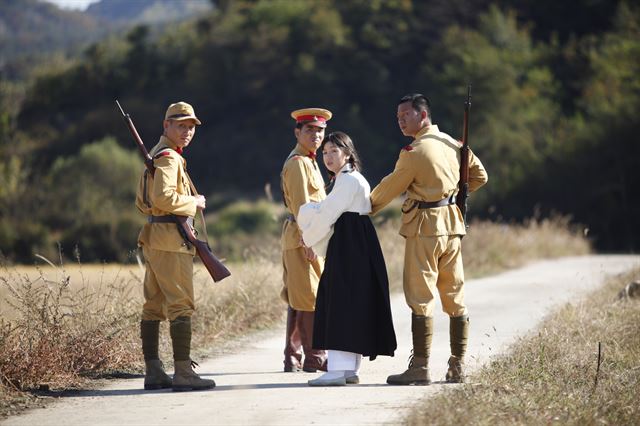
point(434, 264)
point(301, 279)
point(168, 285)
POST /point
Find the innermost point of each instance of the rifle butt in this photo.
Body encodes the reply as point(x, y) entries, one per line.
point(214, 266)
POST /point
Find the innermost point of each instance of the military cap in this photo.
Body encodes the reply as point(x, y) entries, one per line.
point(181, 111)
point(316, 116)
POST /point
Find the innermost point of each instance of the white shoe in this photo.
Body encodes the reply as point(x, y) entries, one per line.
point(331, 378)
point(351, 377)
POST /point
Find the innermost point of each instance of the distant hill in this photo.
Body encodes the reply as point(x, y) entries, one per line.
point(31, 27)
point(147, 11)
point(31, 31)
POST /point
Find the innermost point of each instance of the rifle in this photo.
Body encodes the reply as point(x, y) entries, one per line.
point(216, 268)
point(463, 185)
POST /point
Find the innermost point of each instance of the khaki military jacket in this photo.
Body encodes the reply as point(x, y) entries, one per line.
point(429, 170)
point(301, 183)
point(167, 192)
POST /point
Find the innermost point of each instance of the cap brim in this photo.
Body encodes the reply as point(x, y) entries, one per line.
point(187, 117)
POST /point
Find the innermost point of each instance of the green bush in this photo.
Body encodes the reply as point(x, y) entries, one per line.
point(245, 229)
point(246, 217)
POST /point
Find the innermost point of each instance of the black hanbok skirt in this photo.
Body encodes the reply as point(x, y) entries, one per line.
point(353, 313)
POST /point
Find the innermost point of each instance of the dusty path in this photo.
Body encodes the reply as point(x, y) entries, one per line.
point(252, 390)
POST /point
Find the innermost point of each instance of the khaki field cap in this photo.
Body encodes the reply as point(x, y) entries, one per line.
point(314, 116)
point(181, 111)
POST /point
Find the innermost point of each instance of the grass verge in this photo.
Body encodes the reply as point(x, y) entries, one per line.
point(553, 376)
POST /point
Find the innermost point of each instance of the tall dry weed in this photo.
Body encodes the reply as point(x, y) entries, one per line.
point(58, 333)
point(491, 247)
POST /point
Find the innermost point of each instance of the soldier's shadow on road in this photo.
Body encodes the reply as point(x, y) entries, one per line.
point(256, 386)
point(139, 391)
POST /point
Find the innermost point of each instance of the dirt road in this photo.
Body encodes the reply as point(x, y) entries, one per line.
point(252, 390)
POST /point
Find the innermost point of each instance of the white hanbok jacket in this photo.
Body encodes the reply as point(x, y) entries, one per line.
point(350, 193)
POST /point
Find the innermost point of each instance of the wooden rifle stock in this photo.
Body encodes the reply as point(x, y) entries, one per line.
point(216, 268)
point(463, 185)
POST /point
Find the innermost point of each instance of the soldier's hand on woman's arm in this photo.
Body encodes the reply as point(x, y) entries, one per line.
point(309, 253)
point(201, 202)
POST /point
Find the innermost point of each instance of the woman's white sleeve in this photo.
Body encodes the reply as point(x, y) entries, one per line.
point(316, 219)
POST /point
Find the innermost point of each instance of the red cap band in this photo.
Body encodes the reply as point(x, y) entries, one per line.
point(302, 118)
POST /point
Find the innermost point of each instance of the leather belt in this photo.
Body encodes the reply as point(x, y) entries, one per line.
point(167, 219)
point(431, 204)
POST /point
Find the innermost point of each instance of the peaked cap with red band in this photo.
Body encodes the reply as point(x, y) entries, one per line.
point(315, 116)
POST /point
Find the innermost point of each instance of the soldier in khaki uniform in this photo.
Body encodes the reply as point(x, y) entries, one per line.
point(428, 170)
point(168, 282)
point(301, 183)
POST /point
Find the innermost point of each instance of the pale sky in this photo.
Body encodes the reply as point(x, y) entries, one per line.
point(72, 4)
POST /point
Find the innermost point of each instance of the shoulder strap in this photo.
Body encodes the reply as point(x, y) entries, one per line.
point(145, 196)
point(161, 153)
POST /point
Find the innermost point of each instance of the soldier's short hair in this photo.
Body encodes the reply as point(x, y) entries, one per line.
point(419, 102)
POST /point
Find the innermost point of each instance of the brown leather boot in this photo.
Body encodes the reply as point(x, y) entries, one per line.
point(458, 335)
point(155, 376)
point(314, 359)
point(454, 372)
point(292, 344)
point(184, 378)
point(418, 371)
point(416, 374)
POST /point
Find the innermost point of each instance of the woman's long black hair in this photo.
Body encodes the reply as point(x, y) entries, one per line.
point(345, 144)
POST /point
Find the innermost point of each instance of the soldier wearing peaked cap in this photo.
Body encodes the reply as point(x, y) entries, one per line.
point(428, 170)
point(301, 183)
point(168, 281)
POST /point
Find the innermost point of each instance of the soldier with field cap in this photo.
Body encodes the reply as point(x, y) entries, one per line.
point(301, 183)
point(428, 170)
point(168, 281)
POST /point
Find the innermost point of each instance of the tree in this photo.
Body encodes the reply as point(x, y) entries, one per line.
point(91, 198)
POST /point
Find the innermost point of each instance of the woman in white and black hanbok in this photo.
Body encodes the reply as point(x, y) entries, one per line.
point(353, 313)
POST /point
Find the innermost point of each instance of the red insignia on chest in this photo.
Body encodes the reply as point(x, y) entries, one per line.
point(408, 148)
point(164, 154)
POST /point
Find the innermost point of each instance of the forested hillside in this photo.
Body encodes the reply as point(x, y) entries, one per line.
point(147, 11)
point(555, 92)
point(32, 27)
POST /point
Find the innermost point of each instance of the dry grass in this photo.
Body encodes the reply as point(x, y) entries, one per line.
point(552, 376)
point(64, 323)
point(490, 247)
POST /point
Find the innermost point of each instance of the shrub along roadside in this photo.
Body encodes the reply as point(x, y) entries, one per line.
point(553, 376)
point(97, 318)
